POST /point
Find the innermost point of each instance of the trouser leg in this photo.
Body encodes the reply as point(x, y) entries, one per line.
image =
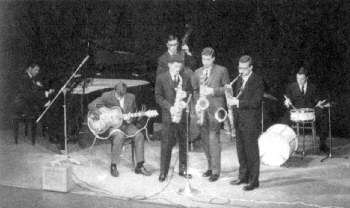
point(117, 146)
point(167, 144)
point(252, 155)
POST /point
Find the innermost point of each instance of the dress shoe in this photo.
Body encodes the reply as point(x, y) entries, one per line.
point(142, 170)
point(114, 171)
point(185, 175)
point(214, 177)
point(324, 148)
point(250, 187)
point(162, 177)
point(237, 181)
point(207, 173)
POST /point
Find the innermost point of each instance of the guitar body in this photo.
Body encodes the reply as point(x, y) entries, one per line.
point(109, 118)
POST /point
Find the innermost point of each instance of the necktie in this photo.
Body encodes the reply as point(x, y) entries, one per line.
point(176, 80)
point(302, 90)
point(206, 75)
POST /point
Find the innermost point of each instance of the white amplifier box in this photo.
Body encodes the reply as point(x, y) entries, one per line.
point(58, 178)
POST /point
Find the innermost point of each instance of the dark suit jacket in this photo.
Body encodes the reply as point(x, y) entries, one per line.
point(165, 93)
point(218, 78)
point(247, 115)
point(30, 97)
point(308, 100)
point(108, 99)
point(164, 59)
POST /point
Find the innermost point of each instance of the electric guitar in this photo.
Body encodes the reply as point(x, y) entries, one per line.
point(111, 118)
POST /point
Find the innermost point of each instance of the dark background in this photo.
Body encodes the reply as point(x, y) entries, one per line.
point(126, 38)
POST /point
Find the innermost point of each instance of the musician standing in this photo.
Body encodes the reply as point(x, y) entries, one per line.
point(165, 95)
point(209, 80)
point(173, 49)
point(247, 116)
point(127, 102)
point(302, 94)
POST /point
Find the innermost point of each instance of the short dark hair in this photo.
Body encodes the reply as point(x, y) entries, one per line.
point(304, 71)
point(120, 88)
point(245, 59)
point(176, 58)
point(208, 51)
point(33, 64)
point(172, 37)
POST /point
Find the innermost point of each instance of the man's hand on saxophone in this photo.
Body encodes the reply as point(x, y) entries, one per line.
point(232, 101)
point(206, 90)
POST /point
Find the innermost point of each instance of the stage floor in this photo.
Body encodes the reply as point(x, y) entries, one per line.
point(298, 183)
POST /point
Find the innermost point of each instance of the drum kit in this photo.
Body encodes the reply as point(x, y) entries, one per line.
point(279, 142)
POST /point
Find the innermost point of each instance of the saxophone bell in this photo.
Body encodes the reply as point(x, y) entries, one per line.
point(221, 115)
point(202, 103)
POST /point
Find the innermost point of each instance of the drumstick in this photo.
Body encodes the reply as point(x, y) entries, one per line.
point(290, 102)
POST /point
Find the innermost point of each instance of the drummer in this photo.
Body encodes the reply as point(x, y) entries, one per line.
point(302, 94)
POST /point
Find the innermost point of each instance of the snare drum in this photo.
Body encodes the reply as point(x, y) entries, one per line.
point(302, 114)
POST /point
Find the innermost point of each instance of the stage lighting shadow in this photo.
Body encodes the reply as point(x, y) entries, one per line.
point(286, 181)
point(297, 161)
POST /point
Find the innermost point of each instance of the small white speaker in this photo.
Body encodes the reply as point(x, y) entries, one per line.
point(58, 178)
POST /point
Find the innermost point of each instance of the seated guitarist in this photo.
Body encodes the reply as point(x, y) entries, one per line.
point(126, 101)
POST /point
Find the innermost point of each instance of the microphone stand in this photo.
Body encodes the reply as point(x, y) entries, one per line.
point(64, 91)
point(330, 134)
point(188, 190)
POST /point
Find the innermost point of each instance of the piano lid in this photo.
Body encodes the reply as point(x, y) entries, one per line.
point(94, 84)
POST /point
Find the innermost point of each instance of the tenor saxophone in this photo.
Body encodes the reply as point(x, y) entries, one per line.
point(228, 94)
point(179, 104)
point(202, 103)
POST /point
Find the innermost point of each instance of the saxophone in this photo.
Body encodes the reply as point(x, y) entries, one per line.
point(179, 104)
point(228, 94)
point(202, 103)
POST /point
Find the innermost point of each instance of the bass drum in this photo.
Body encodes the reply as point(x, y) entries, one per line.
point(277, 144)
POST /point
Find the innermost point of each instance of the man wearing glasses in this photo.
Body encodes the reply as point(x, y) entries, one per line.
point(173, 48)
point(247, 111)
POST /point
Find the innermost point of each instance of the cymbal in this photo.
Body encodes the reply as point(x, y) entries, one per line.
point(269, 96)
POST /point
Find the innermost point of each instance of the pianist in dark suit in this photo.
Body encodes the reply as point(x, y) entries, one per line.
point(127, 102)
point(30, 95)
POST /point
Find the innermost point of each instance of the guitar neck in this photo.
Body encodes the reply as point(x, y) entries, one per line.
point(134, 115)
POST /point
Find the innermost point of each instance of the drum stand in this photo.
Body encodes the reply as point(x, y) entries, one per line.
point(188, 190)
point(330, 138)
